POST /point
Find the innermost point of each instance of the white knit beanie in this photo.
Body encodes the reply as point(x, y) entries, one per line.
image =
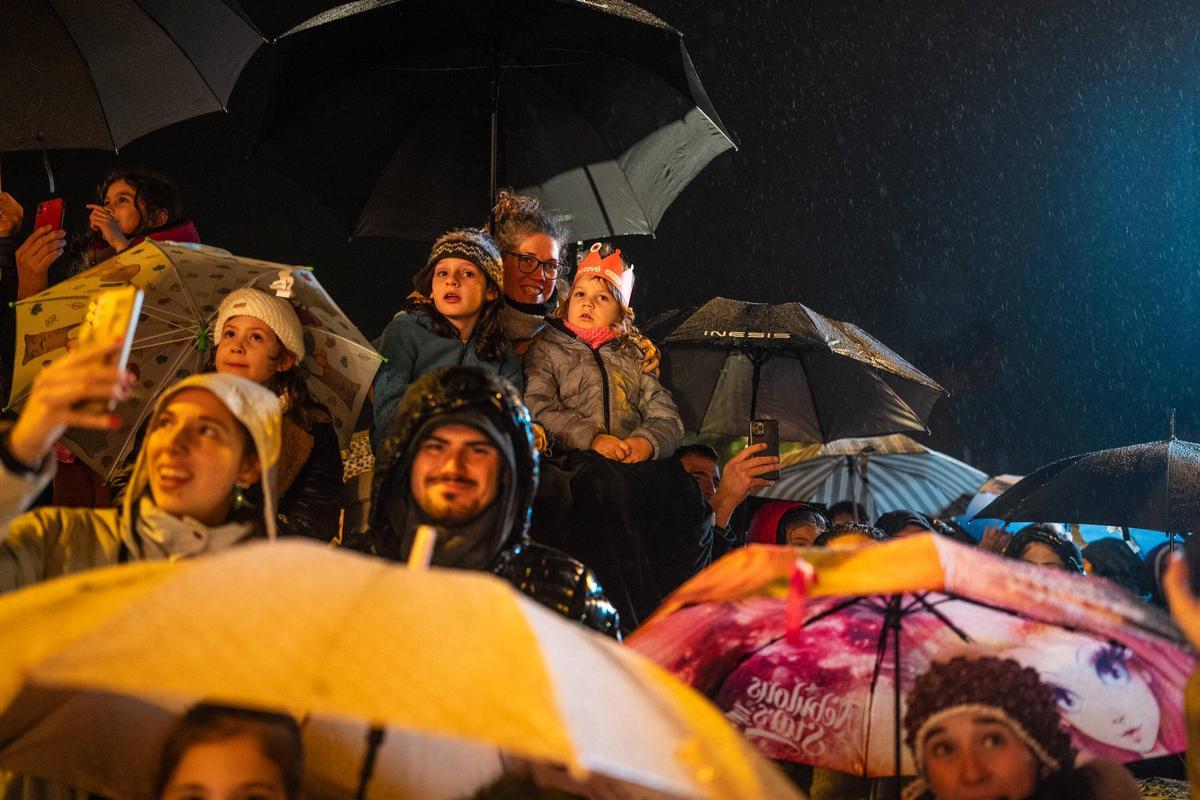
point(276, 312)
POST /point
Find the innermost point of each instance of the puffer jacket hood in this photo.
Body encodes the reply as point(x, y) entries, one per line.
point(455, 393)
point(255, 406)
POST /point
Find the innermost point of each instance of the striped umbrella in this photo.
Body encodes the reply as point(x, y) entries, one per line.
point(884, 473)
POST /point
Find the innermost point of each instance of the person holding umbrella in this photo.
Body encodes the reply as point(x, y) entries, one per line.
point(211, 437)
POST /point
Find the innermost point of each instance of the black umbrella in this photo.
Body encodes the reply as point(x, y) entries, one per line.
point(404, 119)
point(101, 73)
point(729, 361)
point(1155, 486)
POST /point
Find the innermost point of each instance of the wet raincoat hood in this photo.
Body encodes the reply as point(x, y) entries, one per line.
point(456, 395)
point(254, 406)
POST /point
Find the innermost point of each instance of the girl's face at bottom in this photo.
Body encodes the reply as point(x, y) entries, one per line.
point(230, 769)
point(969, 756)
point(592, 304)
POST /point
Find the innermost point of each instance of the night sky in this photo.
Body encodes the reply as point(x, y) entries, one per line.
point(1006, 194)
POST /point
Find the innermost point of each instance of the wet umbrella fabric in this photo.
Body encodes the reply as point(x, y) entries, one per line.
point(1154, 486)
point(884, 473)
point(184, 285)
point(600, 114)
point(345, 641)
point(101, 73)
point(808, 673)
point(824, 380)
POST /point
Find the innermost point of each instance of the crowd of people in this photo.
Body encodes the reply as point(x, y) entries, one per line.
point(518, 411)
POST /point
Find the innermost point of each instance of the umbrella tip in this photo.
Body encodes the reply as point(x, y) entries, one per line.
point(421, 552)
point(1172, 424)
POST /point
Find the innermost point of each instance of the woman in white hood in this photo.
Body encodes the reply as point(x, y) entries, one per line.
point(210, 437)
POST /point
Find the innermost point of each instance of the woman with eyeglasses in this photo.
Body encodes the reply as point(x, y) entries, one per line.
point(530, 242)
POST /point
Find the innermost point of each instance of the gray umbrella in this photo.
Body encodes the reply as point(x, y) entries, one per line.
point(1154, 486)
point(101, 73)
point(729, 361)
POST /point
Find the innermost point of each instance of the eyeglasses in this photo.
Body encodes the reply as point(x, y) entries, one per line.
point(528, 263)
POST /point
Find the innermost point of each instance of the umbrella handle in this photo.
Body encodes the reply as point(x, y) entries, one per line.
point(422, 549)
point(374, 740)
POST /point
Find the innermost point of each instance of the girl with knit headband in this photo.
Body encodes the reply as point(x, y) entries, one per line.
point(584, 380)
point(989, 728)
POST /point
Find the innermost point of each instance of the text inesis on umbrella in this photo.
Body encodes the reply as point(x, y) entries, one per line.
point(798, 718)
point(748, 334)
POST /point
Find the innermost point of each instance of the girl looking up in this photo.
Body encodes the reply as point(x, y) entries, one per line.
point(258, 336)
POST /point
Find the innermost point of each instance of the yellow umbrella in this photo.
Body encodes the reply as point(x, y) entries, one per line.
point(458, 668)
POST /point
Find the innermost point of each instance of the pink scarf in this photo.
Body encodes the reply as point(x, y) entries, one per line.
point(593, 337)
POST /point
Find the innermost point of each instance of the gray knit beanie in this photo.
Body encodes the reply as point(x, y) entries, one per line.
point(469, 244)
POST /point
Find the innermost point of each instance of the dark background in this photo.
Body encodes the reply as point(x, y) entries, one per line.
point(1006, 194)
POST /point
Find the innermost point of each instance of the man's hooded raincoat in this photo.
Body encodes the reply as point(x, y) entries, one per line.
point(497, 541)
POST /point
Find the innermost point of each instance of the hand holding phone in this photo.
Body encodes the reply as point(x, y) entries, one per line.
point(50, 212)
point(767, 432)
point(111, 317)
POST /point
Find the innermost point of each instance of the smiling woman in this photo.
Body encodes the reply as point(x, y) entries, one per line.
point(210, 434)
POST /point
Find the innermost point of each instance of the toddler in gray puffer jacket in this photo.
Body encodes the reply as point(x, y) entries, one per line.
point(583, 375)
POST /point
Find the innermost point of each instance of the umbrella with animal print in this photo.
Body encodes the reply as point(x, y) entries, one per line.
point(184, 285)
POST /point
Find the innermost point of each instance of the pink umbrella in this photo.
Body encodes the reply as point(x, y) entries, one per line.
point(822, 688)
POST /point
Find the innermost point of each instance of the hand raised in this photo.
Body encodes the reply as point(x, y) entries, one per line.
point(53, 404)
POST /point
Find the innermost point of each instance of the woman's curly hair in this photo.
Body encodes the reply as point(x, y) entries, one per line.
point(517, 216)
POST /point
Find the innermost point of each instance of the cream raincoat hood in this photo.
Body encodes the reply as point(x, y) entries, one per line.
point(255, 406)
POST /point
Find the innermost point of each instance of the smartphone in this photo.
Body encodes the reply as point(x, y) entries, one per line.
point(766, 430)
point(50, 212)
point(112, 315)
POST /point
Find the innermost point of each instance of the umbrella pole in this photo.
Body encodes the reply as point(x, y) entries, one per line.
point(893, 622)
point(374, 740)
point(852, 482)
point(494, 165)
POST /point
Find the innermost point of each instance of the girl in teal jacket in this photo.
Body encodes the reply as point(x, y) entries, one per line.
point(452, 320)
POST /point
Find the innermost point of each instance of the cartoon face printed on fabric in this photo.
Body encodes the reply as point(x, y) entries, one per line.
point(1102, 694)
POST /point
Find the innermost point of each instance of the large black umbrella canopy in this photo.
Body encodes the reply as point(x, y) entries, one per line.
point(101, 73)
point(1155, 486)
point(731, 360)
point(386, 115)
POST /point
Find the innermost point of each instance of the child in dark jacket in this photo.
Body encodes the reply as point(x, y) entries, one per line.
point(583, 373)
point(453, 320)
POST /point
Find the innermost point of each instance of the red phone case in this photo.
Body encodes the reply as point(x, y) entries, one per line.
point(49, 212)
